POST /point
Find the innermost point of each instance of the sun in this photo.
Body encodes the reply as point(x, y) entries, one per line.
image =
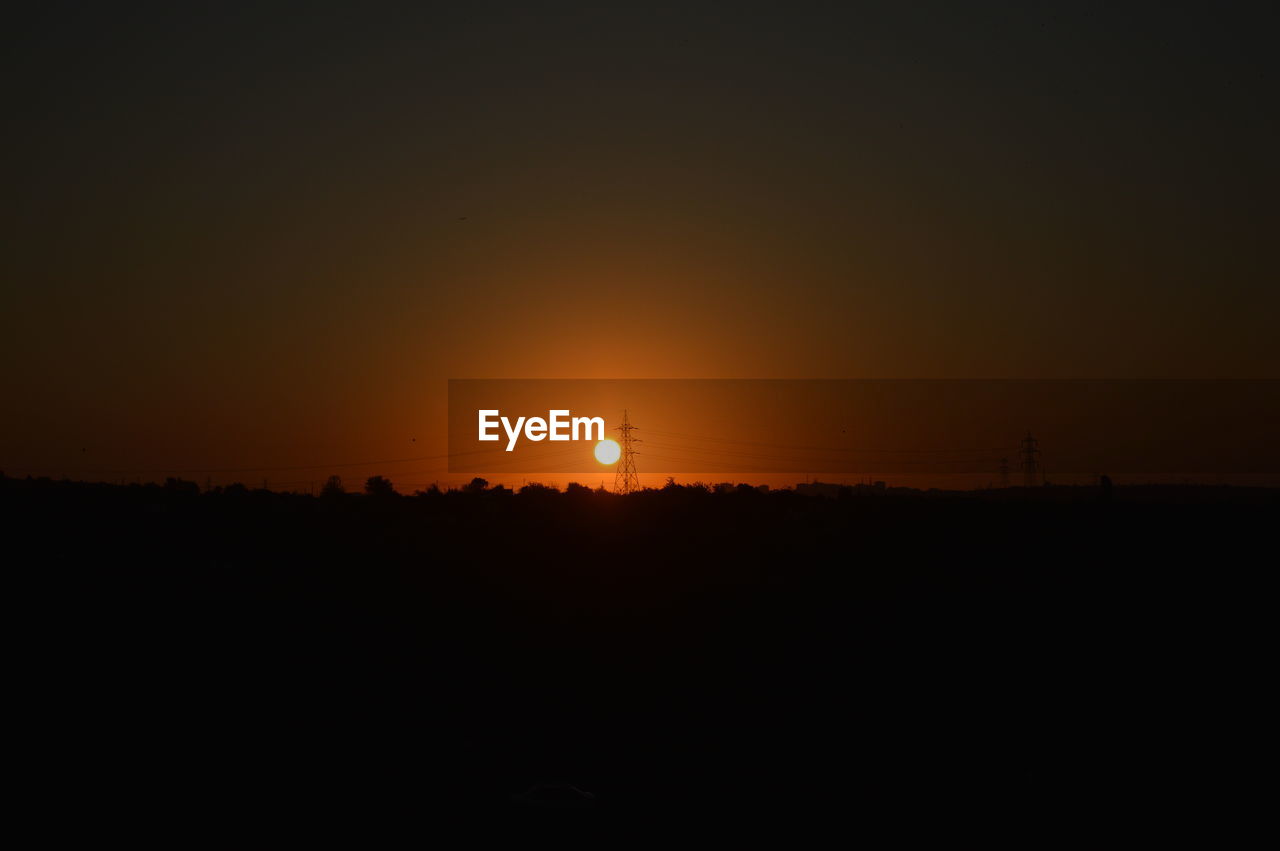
point(608, 451)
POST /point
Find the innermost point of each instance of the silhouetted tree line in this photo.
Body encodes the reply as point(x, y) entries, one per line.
point(382, 488)
point(685, 649)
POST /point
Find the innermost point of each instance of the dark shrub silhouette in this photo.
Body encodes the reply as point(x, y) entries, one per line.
point(379, 487)
point(180, 487)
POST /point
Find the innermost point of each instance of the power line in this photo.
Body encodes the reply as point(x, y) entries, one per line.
point(714, 439)
point(279, 469)
point(977, 455)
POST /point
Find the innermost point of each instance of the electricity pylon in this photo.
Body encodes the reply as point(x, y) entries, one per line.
point(625, 479)
point(1004, 472)
point(1030, 461)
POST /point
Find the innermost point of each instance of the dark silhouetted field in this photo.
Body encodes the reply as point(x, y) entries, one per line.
point(737, 657)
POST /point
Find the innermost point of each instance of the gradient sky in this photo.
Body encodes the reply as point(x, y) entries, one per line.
point(242, 235)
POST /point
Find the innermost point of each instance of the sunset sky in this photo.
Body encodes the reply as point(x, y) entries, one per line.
point(255, 237)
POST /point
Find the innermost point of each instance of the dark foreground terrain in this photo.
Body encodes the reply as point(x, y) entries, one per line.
point(1046, 658)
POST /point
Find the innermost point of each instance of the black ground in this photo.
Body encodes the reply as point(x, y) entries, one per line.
point(1046, 657)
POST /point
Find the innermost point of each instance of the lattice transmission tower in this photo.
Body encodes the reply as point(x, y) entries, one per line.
point(1030, 461)
point(625, 479)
